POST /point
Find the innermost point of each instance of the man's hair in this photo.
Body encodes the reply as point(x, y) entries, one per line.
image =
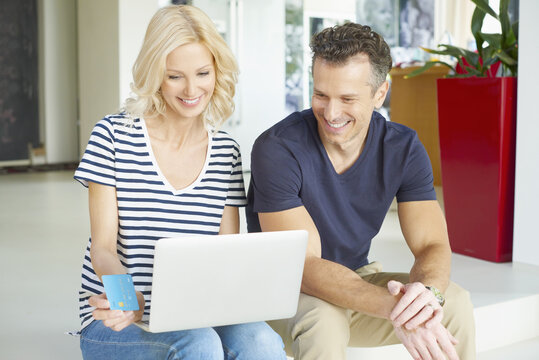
point(339, 43)
point(173, 26)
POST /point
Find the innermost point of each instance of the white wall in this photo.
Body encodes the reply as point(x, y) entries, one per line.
point(98, 48)
point(526, 236)
point(258, 43)
point(134, 16)
point(261, 90)
point(58, 80)
point(453, 17)
point(337, 7)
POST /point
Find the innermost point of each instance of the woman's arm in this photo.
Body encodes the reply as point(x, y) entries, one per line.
point(104, 229)
point(105, 261)
point(230, 222)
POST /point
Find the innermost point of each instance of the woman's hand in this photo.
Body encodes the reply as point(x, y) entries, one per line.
point(117, 320)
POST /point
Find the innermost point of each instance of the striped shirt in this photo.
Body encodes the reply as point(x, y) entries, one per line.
point(119, 154)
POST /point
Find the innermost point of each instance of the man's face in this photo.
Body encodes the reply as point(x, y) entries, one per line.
point(343, 101)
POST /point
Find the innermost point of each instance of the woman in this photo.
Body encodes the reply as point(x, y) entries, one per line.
point(160, 169)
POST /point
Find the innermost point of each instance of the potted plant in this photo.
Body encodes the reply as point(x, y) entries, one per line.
point(477, 127)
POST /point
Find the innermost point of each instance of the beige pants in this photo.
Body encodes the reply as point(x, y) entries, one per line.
point(323, 331)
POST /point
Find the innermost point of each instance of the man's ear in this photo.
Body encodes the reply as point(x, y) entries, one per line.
point(381, 94)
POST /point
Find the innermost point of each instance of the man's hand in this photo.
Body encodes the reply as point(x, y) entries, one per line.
point(416, 307)
point(428, 344)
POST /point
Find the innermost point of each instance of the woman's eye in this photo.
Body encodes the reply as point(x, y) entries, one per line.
point(206, 73)
point(173, 77)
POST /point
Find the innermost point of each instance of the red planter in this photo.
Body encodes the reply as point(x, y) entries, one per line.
point(477, 125)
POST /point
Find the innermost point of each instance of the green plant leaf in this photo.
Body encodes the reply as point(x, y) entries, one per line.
point(490, 59)
point(448, 50)
point(505, 58)
point(477, 23)
point(512, 51)
point(494, 40)
point(491, 48)
point(510, 39)
point(477, 20)
point(427, 66)
point(504, 21)
point(472, 71)
point(471, 57)
point(515, 30)
point(483, 5)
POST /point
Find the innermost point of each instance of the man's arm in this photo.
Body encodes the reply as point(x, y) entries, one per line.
point(325, 279)
point(424, 228)
point(341, 286)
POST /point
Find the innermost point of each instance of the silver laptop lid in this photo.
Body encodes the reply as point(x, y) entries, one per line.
point(205, 281)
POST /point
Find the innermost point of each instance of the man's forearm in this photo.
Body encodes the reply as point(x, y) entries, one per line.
point(432, 266)
point(341, 286)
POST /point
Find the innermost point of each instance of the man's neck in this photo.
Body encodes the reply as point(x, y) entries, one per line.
point(343, 156)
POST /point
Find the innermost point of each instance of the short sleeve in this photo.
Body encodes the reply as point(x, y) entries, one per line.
point(236, 188)
point(275, 176)
point(98, 162)
point(417, 180)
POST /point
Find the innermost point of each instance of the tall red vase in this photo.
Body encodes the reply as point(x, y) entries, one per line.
point(477, 125)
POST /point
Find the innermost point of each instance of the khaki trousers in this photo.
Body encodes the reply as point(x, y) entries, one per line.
point(323, 331)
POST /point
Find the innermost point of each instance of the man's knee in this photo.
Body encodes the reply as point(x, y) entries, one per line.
point(458, 306)
point(319, 327)
point(459, 320)
point(317, 315)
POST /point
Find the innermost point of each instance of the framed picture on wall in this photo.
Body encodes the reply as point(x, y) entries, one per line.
point(382, 16)
point(416, 25)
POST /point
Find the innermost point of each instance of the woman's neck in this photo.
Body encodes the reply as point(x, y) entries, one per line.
point(175, 131)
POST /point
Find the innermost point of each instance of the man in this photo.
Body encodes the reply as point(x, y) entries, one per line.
point(334, 171)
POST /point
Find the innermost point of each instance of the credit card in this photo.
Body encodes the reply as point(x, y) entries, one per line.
point(120, 292)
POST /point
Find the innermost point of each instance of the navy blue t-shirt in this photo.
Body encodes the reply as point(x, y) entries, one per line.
point(290, 168)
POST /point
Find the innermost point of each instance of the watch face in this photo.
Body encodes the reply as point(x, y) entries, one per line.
point(437, 294)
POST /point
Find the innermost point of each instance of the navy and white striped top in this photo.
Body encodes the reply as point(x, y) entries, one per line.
point(119, 154)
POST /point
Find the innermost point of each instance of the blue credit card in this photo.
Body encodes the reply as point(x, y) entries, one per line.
point(120, 292)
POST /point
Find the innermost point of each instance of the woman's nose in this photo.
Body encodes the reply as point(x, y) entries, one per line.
point(190, 88)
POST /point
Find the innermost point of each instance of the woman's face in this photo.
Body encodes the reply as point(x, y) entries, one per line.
point(189, 81)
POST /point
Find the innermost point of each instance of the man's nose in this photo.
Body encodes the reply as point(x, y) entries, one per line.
point(332, 110)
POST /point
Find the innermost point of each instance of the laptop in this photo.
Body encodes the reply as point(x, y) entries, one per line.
point(206, 281)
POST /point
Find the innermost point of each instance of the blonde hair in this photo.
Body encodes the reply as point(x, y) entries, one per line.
point(173, 26)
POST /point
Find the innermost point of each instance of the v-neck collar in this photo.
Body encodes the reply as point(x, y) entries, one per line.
point(160, 174)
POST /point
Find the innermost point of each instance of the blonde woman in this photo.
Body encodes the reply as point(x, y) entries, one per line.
point(161, 169)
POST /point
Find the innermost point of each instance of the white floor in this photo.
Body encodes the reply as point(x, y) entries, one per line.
point(44, 228)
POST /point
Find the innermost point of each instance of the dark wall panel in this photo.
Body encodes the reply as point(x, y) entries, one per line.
point(19, 119)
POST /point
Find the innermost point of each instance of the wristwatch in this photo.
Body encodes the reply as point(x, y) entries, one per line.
point(437, 294)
